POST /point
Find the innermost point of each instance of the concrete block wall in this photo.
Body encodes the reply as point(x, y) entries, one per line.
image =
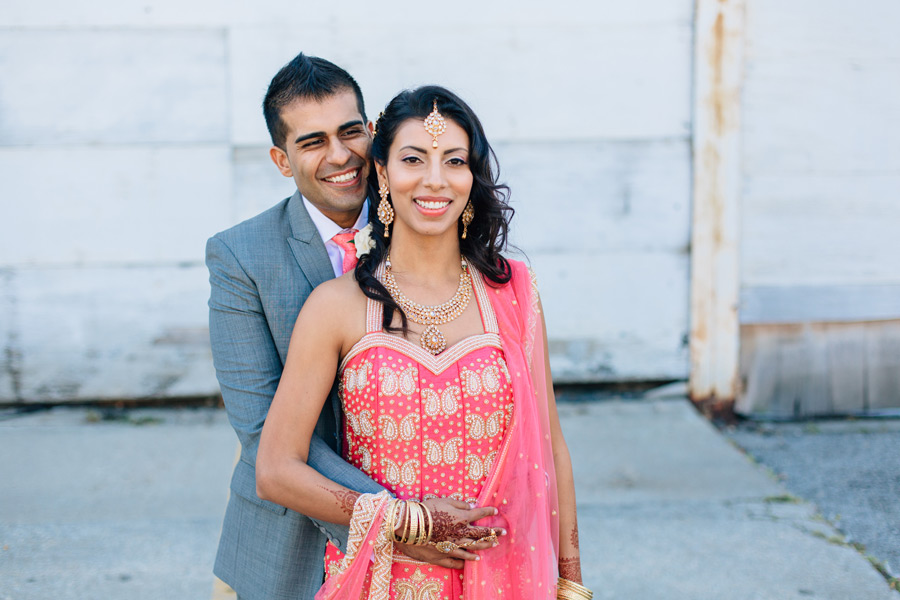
point(130, 132)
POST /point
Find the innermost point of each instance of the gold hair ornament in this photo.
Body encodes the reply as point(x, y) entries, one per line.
point(435, 124)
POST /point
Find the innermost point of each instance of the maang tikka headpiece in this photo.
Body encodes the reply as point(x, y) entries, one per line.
point(435, 124)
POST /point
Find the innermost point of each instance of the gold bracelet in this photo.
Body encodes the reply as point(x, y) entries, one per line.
point(430, 523)
point(405, 522)
point(419, 523)
point(414, 523)
point(423, 529)
point(569, 590)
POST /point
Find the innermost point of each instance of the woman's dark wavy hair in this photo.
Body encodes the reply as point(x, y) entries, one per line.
point(487, 234)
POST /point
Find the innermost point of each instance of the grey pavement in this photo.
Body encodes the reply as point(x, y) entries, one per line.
point(848, 468)
point(130, 507)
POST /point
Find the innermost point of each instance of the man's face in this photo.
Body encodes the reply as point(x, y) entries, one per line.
point(327, 153)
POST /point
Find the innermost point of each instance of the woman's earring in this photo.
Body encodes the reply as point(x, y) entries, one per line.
point(385, 210)
point(467, 215)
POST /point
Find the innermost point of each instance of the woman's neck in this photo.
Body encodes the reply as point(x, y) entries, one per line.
point(427, 260)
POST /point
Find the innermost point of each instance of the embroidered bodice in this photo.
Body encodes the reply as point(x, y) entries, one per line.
point(422, 425)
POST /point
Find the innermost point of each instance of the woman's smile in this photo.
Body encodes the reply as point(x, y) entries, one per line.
point(432, 206)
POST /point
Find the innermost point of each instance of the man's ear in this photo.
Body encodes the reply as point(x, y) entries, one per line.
point(280, 158)
point(371, 127)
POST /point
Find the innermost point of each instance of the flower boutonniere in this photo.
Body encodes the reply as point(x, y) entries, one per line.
point(363, 241)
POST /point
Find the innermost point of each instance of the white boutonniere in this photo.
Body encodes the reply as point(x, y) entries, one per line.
point(363, 241)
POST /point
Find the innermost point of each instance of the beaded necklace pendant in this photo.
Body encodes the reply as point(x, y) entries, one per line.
point(432, 339)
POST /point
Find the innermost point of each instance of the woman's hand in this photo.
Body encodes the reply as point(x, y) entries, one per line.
point(453, 523)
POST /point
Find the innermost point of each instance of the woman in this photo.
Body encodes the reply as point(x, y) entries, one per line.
point(442, 397)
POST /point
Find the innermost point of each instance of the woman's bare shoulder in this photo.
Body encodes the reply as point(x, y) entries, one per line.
point(335, 296)
point(339, 305)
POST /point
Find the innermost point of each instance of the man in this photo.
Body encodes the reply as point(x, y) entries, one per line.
point(261, 272)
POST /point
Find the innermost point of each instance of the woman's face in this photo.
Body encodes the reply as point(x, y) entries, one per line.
point(429, 186)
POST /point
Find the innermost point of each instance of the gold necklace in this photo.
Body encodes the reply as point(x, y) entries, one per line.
point(432, 339)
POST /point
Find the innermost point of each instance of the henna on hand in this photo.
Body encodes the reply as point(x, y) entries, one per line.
point(446, 527)
point(574, 537)
point(345, 499)
point(570, 568)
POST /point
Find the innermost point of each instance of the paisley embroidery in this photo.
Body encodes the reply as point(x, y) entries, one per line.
point(388, 427)
point(450, 400)
point(509, 412)
point(391, 471)
point(366, 426)
point(409, 427)
point(472, 382)
point(432, 402)
point(366, 459)
point(433, 452)
point(475, 467)
point(408, 381)
point(417, 587)
point(494, 422)
point(350, 380)
point(362, 374)
point(390, 383)
point(489, 462)
point(491, 379)
point(504, 369)
point(446, 453)
point(474, 426)
point(409, 473)
point(447, 402)
point(352, 422)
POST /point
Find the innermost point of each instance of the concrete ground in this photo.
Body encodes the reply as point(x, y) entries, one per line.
point(849, 468)
point(129, 506)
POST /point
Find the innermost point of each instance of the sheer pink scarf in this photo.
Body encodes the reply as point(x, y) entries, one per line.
point(522, 483)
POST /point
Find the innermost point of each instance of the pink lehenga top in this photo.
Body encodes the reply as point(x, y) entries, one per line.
point(425, 426)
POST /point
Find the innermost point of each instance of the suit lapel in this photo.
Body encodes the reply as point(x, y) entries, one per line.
point(306, 244)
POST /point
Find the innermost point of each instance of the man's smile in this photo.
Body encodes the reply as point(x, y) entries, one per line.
point(344, 177)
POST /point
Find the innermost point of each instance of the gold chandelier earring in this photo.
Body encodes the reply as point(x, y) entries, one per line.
point(385, 210)
point(467, 215)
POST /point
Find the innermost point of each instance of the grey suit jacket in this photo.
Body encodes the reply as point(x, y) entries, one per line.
point(260, 273)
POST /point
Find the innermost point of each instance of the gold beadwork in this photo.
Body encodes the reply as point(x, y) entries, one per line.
point(432, 339)
point(467, 215)
point(435, 124)
point(385, 210)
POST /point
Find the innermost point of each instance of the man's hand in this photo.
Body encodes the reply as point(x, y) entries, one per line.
point(453, 522)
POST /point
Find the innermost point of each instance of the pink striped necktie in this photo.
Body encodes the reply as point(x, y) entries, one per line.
point(345, 241)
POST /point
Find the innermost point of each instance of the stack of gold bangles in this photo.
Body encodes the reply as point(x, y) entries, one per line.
point(417, 523)
point(418, 527)
point(569, 590)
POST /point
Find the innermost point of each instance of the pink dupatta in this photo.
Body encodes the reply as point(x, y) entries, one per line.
point(522, 483)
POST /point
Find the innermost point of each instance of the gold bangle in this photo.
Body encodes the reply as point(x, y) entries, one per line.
point(430, 523)
point(423, 529)
point(420, 524)
point(414, 523)
point(392, 518)
point(405, 522)
point(569, 590)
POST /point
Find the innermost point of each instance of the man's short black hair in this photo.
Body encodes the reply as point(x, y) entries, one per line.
point(305, 78)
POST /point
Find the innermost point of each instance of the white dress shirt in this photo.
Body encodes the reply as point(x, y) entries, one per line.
point(328, 229)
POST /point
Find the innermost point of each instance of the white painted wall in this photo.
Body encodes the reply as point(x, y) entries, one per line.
point(821, 144)
point(131, 131)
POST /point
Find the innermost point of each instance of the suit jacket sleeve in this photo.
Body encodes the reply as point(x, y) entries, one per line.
point(248, 368)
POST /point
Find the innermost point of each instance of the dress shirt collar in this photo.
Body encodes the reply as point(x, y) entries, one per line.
point(326, 227)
